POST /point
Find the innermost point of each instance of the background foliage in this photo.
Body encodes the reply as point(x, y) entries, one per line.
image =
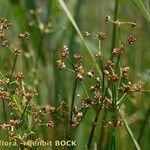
point(51, 28)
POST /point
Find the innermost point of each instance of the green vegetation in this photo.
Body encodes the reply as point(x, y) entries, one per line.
point(75, 70)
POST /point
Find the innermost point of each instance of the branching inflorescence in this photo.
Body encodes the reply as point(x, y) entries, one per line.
point(108, 91)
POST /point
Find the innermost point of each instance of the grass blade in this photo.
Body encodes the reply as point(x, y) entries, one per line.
point(130, 131)
point(19, 13)
point(141, 7)
point(64, 7)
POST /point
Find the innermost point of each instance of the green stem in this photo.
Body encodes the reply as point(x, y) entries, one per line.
point(84, 89)
point(85, 109)
point(92, 130)
point(72, 103)
point(60, 120)
point(80, 121)
point(96, 119)
point(71, 63)
point(1, 67)
point(24, 110)
point(5, 115)
point(102, 130)
point(145, 122)
point(114, 116)
point(13, 67)
point(103, 76)
point(114, 27)
point(129, 130)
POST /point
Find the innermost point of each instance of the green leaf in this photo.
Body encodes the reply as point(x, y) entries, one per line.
point(129, 130)
point(141, 7)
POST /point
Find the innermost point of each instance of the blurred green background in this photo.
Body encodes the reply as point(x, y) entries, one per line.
point(50, 28)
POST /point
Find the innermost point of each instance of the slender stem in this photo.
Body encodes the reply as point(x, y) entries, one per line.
point(13, 67)
point(80, 121)
point(124, 97)
point(92, 131)
point(71, 63)
point(24, 110)
point(113, 140)
point(96, 119)
point(69, 69)
point(5, 115)
point(65, 8)
point(102, 67)
point(1, 68)
point(85, 109)
point(114, 26)
point(60, 120)
point(72, 103)
point(117, 64)
point(102, 130)
point(103, 76)
point(129, 131)
point(84, 89)
point(114, 116)
point(147, 115)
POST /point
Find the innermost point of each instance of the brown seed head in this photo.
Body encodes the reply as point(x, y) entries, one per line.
point(50, 124)
point(61, 64)
point(109, 64)
point(4, 43)
point(24, 35)
point(78, 57)
point(19, 76)
point(117, 51)
point(17, 51)
point(131, 39)
point(86, 103)
point(64, 52)
point(101, 36)
point(4, 95)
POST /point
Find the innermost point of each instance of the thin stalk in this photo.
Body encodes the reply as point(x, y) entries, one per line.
point(72, 103)
point(129, 131)
point(24, 110)
point(118, 60)
point(92, 130)
point(102, 67)
point(40, 52)
point(113, 140)
point(77, 16)
point(121, 99)
point(102, 131)
point(147, 115)
point(70, 17)
point(80, 121)
point(84, 89)
point(13, 67)
point(114, 26)
point(103, 76)
point(71, 63)
point(114, 117)
point(85, 110)
point(4, 108)
point(69, 69)
point(60, 120)
point(1, 68)
point(96, 119)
